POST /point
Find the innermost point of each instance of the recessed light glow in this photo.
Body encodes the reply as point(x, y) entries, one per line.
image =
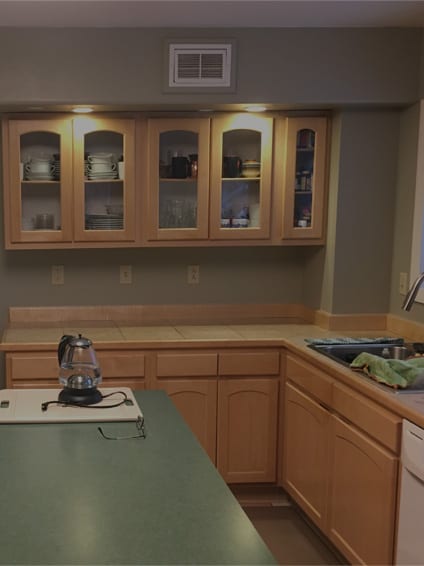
point(82, 110)
point(255, 108)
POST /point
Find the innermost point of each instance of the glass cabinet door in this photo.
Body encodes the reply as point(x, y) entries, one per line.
point(38, 187)
point(104, 179)
point(178, 179)
point(303, 207)
point(241, 177)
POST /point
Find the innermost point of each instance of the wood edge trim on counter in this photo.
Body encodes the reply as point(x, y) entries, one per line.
point(365, 321)
point(162, 313)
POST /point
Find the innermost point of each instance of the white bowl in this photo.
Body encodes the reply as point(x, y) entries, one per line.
point(251, 172)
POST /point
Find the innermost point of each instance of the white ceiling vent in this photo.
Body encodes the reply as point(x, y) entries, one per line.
point(199, 65)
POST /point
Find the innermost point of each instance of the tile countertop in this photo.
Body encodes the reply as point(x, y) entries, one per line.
point(123, 335)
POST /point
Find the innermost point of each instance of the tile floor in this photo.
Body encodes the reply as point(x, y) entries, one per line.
point(289, 537)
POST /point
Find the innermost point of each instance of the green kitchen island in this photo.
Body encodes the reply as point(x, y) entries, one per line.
point(69, 496)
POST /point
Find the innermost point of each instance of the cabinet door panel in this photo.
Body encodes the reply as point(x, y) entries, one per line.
point(38, 181)
point(247, 429)
point(241, 183)
point(195, 399)
point(178, 172)
point(305, 178)
point(104, 188)
point(306, 453)
point(363, 496)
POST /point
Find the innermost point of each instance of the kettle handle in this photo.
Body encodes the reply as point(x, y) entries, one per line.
point(64, 341)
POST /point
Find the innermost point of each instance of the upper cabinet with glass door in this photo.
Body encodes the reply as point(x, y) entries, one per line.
point(241, 177)
point(303, 210)
point(178, 186)
point(37, 182)
point(104, 189)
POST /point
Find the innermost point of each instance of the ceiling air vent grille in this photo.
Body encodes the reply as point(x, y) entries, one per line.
point(206, 65)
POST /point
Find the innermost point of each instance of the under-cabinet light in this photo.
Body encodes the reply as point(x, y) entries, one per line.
point(82, 110)
point(255, 108)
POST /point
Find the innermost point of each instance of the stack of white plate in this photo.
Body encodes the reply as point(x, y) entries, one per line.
point(33, 176)
point(104, 221)
point(101, 166)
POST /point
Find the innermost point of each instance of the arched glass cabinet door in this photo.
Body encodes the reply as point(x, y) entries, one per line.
point(178, 171)
point(241, 177)
point(38, 185)
point(104, 180)
point(304, 184)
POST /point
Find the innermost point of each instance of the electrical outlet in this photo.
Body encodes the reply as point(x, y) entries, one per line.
point(58, 275)
point(193, 275)
point(403, 283)
point(125, 274)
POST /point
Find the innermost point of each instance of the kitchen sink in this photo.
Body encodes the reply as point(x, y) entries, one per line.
point(346, 353)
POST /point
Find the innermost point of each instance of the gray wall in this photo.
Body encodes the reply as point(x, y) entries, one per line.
point(311, 67)
point(402, 230)
point(366, 76)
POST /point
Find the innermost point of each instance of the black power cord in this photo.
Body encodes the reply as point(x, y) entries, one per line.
point(45, 405)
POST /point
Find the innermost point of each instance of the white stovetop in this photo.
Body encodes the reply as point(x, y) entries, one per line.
point(24, 406)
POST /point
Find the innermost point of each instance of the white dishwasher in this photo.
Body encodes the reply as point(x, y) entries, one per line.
point(410, 535)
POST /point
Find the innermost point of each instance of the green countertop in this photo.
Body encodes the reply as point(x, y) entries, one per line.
point(68, 496)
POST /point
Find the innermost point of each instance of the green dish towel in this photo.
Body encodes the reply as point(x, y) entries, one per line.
point(396, 373)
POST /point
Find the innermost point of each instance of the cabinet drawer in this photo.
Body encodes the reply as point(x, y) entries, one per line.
point(368, 416)
point(121, 364)
point(314, 381)
point(45, 365)
point(249, 363)
point(32, 366)
point(187, 365)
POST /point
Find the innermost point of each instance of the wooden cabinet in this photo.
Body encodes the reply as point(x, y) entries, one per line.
point(190, 379)
point(110, 181)
point(300, 173)
point(68, 181)
point(120, 368)
point(362, 496)
point(241, 161)
point(340, 462)
point(37, 201)
point(247, 429)
point(306, 453)
point(178, 179)
point(230, 401)
point(248, 396)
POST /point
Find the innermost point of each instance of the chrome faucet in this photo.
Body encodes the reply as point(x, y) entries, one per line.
point(412, 293)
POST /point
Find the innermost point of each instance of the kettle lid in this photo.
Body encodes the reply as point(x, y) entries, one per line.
point(80, 342)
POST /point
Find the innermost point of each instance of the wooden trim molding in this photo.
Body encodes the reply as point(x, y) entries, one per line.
point(247, 313)
point(222, 314)
point(365, 321)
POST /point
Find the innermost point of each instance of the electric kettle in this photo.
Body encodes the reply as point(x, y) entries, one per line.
point(79, 371)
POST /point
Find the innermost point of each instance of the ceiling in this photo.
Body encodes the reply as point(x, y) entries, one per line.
point(211, 13)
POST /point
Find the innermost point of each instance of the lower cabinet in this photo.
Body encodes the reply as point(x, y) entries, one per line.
point(306, 453)
point(362, 497)
point(230, 400)
point(340, 462)
point(247, 429)
point(195, 399)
